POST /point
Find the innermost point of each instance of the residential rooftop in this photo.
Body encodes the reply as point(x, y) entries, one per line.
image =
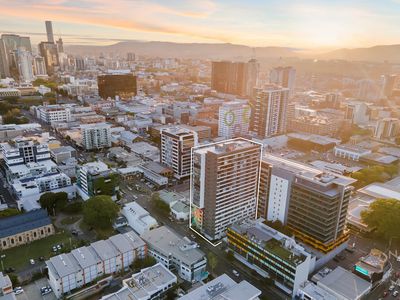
point(166, 240)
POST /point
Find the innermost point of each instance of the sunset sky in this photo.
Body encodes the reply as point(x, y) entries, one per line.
point(303, 24)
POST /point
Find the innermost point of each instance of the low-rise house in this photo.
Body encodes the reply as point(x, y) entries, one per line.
point(84, 265)
point(177, 252)
point(149, 283)
point(138, 218)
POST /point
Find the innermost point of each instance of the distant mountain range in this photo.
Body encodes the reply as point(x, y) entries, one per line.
point(381, 53)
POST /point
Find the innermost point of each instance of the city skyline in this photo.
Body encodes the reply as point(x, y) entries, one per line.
point(307, 25)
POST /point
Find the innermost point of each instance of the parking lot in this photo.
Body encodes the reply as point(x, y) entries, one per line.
point(32, 291)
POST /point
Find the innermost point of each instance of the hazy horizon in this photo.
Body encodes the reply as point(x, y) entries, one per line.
point(309, 25)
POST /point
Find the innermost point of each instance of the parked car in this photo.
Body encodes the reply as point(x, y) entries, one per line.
point(236, 273)
point(395, 293)
point(18, 290)
point(32, 261)
point(391, 288)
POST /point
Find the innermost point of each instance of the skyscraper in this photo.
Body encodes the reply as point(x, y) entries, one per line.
point(25, 65)
point(284, 76)
point(39, 66)
point(234, 119)
point(60, 45)
point(224, 185)
point(50, 54)
point(311, 202)
point(238, 78)
point(4, 66)
point(49, 32)
point(269, 111)
point(176, 147)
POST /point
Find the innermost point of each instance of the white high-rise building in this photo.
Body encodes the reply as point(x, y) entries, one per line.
point(54, 113)
point(176, 145)
point(284, 76)
point(224, 185)
point(39, 66)
point(234, 119)
point(96, 136)
point(25, 65)
point(269, 111)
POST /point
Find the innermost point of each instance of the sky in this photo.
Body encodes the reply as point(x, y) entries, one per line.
point(322, 24)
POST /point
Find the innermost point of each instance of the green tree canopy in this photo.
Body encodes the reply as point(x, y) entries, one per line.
point(53, 202)
point(374, 174)
point(100, 212)
point(9, 212)
point(384, 215)
point(160, 205)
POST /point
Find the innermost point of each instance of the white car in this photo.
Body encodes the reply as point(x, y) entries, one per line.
point(391, 288)
point(395, 293)
point(32, 261)
point(18, 290)
point(236, 273)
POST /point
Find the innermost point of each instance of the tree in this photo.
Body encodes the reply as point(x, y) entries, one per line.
point(141, 263)
point(100, 212)
point(384, 216)
point(53, 202)
point(212, 261)
point(159, 204)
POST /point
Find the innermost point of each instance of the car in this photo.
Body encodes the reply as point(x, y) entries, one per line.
point(41, 258)
point(391, 288)
point(236, 273)
point(32, 261)
point(59, 247)
point(193, 236)
point(385, 293)
point(74, 232)
point(395, 293)
point(18, 290)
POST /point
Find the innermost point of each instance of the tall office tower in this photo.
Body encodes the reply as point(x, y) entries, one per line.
point(130, 56)
point(4, 66)
point(387, 128)
point(10, 43)
point(25, 65)
point(390, 85)
point(176, 147)
point(236, 78)
point(96, 136)
point(269, 111)
point(49, 32)
point(60, 45)
point(224, 185)
point(234, 119)
point(284, 76)
point(253, 68)
point(39, 66)
point(311, 202)
point(122, 85)
point(50, 54)
point(79, 64)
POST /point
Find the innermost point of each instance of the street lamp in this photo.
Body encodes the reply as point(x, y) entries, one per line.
point(1, 258)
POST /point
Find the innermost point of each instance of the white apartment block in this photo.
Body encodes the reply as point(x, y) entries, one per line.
point(176, 147)
point(21, 151)
point(53, 113)
point(83, 265)
point(176, 252)
point(224, 185)
point(233, 119)
point(96, 136)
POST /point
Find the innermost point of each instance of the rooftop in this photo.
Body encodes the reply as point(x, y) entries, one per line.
point(224, 288)
point(167, 241)
point(227, 146)
point(23, 222)
point(345, 283)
